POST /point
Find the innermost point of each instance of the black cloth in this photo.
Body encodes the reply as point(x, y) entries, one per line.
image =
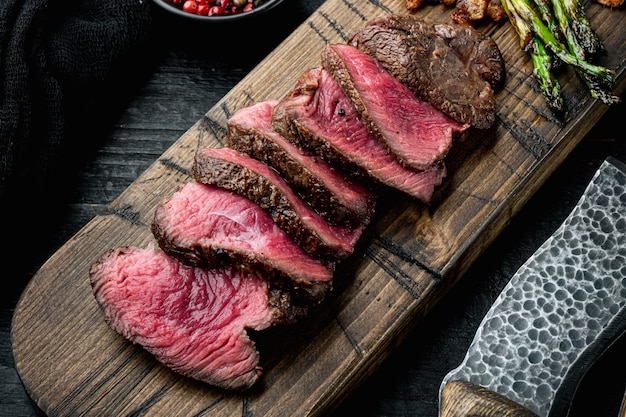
point(56, 57)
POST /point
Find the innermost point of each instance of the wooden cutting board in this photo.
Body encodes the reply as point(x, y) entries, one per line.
point(72, 363)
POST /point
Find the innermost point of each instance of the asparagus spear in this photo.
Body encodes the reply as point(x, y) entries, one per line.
point(542, 68)
point(525, 10)
point(583, 42)
point(598, 78)
point(599, 89)
point(545, 9)
point(586, 39)
point(520, 25)
point(542, 61)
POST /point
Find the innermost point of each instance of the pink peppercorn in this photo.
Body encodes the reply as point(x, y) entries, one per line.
point(216, 11)
point(203, 9)
point(214, 7)
point(190, 6)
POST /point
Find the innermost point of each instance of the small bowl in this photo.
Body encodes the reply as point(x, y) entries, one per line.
point(255, 12)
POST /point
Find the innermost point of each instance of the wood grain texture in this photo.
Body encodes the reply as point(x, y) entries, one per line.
point(72, 363)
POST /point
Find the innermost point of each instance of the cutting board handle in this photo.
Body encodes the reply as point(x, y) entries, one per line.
point(464, 399)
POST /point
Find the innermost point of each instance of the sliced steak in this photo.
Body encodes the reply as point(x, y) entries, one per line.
point(192, 320)
point(209, 227)
point(317, 115)
point(411, 129)
point(237, 172)
point(329, 191)
point(454, 67)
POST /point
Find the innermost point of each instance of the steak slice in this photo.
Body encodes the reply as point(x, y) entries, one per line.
point(192, 320)
point(237, 172)
point(318, 115)
point(329, 191)
point(411, 129)
point(454, 67)
point(209, 227)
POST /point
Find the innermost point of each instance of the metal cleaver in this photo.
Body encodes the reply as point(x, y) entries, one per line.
point(559, 312)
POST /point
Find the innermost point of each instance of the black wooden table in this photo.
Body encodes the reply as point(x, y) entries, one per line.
point(182, 74)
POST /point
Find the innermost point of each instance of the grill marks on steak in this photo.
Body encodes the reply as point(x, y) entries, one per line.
point(192, 320)
point(411, 129)
point(453, 67)
point(317, 115)
point(209, 227)
point(329, 192)
point(237, 172)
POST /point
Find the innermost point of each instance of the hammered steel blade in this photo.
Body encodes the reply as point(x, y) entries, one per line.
point(561, 309)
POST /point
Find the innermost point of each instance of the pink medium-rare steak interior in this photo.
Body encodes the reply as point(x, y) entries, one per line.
point(192, 320)
point(318, 115)
point(207, 226)
point(327, 189)
point(227, 168)
point(411, 129)
point(254, 241)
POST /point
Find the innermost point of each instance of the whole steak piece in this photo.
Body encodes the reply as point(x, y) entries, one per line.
point(229, 169)
point(411, 129)
point(454, 67)
point(318, 115)
point(192, 320)
point(326, 189)
point(209, 227)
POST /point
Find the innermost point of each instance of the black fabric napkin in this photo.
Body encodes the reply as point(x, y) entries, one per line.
point(55, 57)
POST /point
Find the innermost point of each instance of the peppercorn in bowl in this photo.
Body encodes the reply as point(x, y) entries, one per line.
point(217, 10)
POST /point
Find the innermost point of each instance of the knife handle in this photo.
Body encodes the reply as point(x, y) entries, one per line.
point(464, 399)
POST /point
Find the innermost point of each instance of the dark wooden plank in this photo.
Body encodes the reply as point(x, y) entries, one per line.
point(339, 389)
point(408, 383)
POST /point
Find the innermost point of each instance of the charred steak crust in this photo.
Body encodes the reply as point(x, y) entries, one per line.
point(207, 227)
point(231, 170)
point(479, 51)
point(327, 190)
point(453, 67)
